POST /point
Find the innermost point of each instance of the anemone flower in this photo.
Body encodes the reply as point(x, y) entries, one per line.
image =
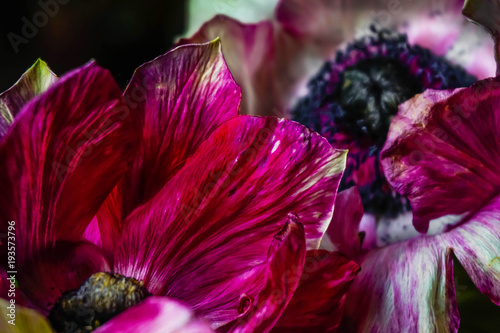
point(162, 209)
point(353, 96)
point(272, 60)
point(442, 153)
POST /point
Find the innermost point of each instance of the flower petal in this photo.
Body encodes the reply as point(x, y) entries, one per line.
point(156, 315)
point(406, 287)
point(443, 148)
point(343, 231)
point(249, 50)
point(61, 158)
point(224, 207)
point(270, 65)
point(68, 148)
point(33, 82)
point(182, 97)
point(317, 305)
point(21, 320)
point(93, 233)
point(476, 244)
point(443, 144)
point(63, 267)
point(285, 263)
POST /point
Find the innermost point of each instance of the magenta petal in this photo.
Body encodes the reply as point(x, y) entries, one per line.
point(250, 54)
point(181, 97)
point(285, 263)
point(407, 287)
point(156, 315)
point(343, 231)
point(93, 233)
point(61, 158)
point(32, 83)
point(443, 152)
point(214, 220)
point(317, 304)
point(184, 96)
point(65, 266)
point(442, 148)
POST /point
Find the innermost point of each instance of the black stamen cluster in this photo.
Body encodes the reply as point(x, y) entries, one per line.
point(100, 298)
point(358, 94)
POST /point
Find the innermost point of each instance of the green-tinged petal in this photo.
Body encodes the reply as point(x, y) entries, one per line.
point(33, 82)
point(405, 287)
point(19, 319)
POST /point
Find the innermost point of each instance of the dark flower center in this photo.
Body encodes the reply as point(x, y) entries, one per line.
point(353, 98)
point(100, 298)
point(370, 93)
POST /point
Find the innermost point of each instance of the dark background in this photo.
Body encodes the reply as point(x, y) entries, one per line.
point(120, 35)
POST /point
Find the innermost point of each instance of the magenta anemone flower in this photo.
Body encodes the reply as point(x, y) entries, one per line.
point(272, 60)
point(164, 210)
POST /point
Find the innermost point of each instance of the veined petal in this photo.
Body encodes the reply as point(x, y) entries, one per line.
point(21, 319)
point(51, 185)
point(93, 233)
point(343, 231)
point(156, 315)
point(406, 287)
point(61, 158)
point(36, 80)
point(250, 52)
point(214, 220)
point(181, 97)
point(317, 304)
point(443, 148)
point(51, 272)
point(285, 263)
point(409, 286)
point(476, 244)
point(268, 63)
point(443, 144)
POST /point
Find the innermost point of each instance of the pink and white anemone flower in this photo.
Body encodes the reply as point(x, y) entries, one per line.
point(442, 153)
point(162, 209)
point(277, 50)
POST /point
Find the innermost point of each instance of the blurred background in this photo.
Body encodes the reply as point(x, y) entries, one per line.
point(119, 34)
point(123, 34)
